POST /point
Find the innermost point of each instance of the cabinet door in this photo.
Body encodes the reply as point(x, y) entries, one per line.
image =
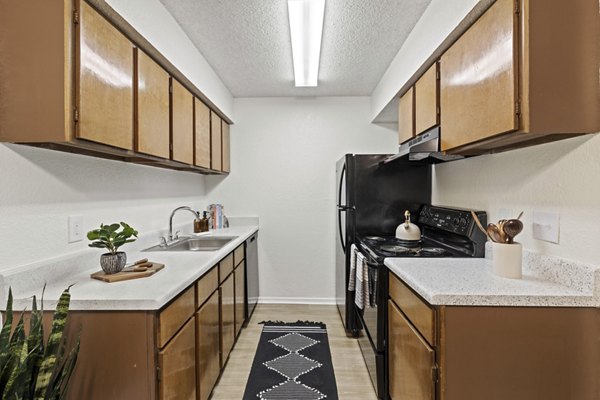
point(207, 345)
point(479, 79)
point(152, 128)
point(202, 132)
point(215, 142)
point(182, 123)
point(427, 100)
point(226, 147)
point(406, 126)
point(227, 318)
point(411, 360)
point(177, 363)
point(104, 81)
point(240, 296)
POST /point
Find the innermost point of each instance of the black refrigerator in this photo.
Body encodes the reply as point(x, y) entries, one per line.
point(371, 200)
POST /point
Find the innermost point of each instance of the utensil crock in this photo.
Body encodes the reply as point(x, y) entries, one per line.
point(507, 260)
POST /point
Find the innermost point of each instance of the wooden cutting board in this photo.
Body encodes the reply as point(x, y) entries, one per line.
point(127, 274)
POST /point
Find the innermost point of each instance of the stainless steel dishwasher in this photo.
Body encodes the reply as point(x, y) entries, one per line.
point(251, 274)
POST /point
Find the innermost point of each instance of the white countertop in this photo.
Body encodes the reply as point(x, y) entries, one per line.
point(151, 293)
point(546, 282)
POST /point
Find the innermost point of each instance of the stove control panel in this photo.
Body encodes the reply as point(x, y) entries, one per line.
point(453, 220)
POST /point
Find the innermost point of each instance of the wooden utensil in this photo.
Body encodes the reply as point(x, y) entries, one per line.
point(480, 225)
point(500, 225)
point(494, 233)
point(512, 228)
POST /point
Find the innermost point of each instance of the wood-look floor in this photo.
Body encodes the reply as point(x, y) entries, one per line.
point(353, 382)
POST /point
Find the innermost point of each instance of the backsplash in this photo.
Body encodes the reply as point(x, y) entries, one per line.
point(559, 177)
point(41, 188)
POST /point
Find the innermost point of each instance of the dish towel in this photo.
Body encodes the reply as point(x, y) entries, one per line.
point(372, 287)
point(362, 281)
point(352, 277)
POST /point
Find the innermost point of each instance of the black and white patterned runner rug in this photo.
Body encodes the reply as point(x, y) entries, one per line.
point(292, 362)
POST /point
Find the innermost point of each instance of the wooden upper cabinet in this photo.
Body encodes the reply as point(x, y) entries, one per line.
point(216, 142)
point(177, 366)
point(411, 360)
point(226, 141)
point(104, 81)
point(152, 107)
point(202, 133)
point(406, 119)
point(427, 100)
point(479, 79)
point(182, 123)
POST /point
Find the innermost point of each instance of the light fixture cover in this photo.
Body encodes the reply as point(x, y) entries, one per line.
point(306, 30)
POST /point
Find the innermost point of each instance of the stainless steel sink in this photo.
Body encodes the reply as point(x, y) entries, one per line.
point(195, 244)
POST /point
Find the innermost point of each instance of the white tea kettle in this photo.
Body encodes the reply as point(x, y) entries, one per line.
point(407, 230)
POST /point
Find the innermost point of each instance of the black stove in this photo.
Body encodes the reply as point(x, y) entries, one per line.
point(445, 233)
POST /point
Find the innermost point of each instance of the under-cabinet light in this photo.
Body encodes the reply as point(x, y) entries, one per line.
point(306, 30)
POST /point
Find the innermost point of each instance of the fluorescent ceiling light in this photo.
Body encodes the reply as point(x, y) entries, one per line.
point(306, 30)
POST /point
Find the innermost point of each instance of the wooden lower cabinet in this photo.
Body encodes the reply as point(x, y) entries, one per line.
point(207, 346)
point(492, 353)
point(411, 360)
point(240, 294)
point(177, 366)
point(227, 317)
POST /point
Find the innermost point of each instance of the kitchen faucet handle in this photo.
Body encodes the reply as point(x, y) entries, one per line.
point(176, 235)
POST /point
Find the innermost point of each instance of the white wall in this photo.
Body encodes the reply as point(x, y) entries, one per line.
point(283, 153)
point(439, 19)
point(152, 20)
point(39, 189)
point(563, 176)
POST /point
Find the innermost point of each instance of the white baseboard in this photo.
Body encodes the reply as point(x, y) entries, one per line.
point(297, 300)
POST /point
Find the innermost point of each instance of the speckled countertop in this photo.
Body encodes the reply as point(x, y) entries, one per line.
point(547, 282)
point(151, 293)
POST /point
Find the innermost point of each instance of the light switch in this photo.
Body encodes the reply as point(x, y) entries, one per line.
point(546, 226)
point(75, 228)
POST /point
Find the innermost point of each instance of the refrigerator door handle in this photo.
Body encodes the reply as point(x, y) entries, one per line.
point(340, 228)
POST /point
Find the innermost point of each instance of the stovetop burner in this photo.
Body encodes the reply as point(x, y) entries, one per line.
point(383, 247)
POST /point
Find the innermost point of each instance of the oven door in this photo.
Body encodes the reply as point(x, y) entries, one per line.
point(373, 317)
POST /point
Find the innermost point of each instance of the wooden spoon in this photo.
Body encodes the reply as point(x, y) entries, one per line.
point(512, 228)
point(500, 225)
point(480, 225)
point(494, 233)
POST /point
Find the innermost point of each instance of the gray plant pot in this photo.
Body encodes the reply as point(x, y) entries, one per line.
point(113, 263)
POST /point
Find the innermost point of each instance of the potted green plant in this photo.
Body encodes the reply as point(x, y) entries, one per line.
point(112, 237)
point(32, 369)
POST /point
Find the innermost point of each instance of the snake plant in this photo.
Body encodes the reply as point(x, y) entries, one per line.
point(29, 368)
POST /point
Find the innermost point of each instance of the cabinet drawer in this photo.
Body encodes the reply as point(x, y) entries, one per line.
point(206, 285)
point(238, 254)
point(421, 315)
point(225, 267)
point(174, 316)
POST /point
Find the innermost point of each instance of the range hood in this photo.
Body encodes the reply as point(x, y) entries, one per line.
point(424, 148)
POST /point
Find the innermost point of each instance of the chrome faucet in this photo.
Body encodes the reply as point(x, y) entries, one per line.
point(172, 237)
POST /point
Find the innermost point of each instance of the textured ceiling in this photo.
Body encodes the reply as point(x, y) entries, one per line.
point(247, 42)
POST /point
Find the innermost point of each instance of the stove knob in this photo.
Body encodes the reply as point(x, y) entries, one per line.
point(463, 222)
point(455, 221)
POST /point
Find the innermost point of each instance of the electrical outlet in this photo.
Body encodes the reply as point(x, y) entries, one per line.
point(75, 228)
point(546, 226)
